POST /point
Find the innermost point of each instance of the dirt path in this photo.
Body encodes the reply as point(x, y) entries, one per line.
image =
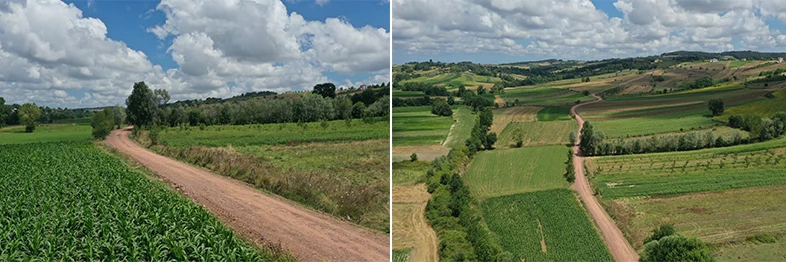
point(309, 235)
point(410, 228)
point(618, 246)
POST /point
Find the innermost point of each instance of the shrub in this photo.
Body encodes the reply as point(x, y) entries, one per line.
point(413, 157)
point(666, 245)
point(102, 123)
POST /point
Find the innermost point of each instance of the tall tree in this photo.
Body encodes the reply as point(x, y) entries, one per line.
point(716, 106)
point(140, 104)
point(29, 115)
point(326, 90)
point(102, 123)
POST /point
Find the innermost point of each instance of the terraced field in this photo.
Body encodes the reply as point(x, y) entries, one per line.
point(510, 171)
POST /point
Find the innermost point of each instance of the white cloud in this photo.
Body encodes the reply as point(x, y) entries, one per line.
point(222, 48)
point(576, 29)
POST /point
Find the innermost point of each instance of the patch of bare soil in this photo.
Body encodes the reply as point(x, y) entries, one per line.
point(410, 228)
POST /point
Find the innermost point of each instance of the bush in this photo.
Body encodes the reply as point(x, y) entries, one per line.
point(676, 248)
point(154, 135)
point(666, 245)
point(102, 123)
point(413, 157)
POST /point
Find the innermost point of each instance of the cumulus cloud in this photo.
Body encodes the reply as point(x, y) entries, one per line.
point(577, 29)
point(49, 50)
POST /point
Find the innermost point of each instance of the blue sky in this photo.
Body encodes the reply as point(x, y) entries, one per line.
point(351, 50)
point(497, 32)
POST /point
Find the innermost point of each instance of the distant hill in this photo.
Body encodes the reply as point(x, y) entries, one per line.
point(736, 54)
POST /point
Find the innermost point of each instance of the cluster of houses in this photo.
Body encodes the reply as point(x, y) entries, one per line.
point(715, 60)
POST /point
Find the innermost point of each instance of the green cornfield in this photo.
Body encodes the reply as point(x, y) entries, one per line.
point(544, 226)
point(69, 201)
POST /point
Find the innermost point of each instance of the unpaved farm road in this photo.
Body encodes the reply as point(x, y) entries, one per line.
point(618, 246)
point(309, 235)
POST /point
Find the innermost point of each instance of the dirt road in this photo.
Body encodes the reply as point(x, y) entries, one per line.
point(309, 235)
point(618, 246)
point(410, 228)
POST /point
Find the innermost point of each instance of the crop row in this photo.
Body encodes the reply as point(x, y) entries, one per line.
point(544, 226)
point(69, 201)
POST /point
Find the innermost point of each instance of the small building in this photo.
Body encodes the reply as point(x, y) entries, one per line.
point(780, 60)
point(714, 60)
point(744, 59)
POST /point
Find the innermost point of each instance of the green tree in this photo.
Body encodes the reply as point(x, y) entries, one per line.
point(3, 112)
point(325, 89)
point(118, 115)
point(441, 108)
point(486, 117)
point(676, 248)
point(29, 115)
point(102, 123)
point(358, 109)
point(570, 171)
point(488, 140)
point(413, 157)
point(716, 106)
point(141, 107)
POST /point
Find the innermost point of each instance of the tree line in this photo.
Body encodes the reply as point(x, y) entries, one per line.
point(148, 107)
point(13, 115)
point(594, 143)
point(452, 214)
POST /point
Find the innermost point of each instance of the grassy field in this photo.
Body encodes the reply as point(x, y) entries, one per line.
point(720, 218)
point(675, 173)
point(762, 108)
point(411, 232)
point(506, 115)
point(409, 172)
point(70, 201)
point(462, 129)
point(47, 133)
point(346, 178)
point(418, 126)
point(510, 171)
point(544, 226)
point(407, 94)
point(538, 133)
point(275, 134)
point(554, 113)
point(651, 125)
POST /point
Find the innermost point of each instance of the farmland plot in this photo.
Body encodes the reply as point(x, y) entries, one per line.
point(70, 201)
point(538, 133)
point(544, 226)
point(675, 173)
point(510, 171)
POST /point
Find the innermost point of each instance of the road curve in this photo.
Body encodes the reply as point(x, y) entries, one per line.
point(309, 235)
point(618, 246)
